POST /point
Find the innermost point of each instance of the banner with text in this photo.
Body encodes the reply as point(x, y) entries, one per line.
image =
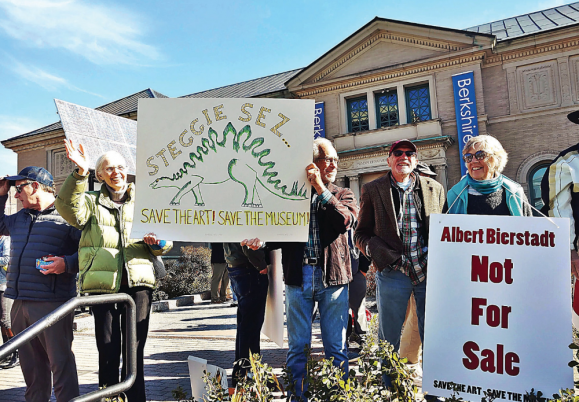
point(319, 121)
point(223, 170)
point(498, 308)
point(465, 110)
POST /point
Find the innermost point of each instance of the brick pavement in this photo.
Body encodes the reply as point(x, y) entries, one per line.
point(204, 330)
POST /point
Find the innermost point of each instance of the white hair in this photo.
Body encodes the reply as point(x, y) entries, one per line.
point(101, 160)
point(497, 154)
point(321, 142)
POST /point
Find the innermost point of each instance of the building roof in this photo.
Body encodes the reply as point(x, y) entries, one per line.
point(121, 106)
point(532, 23)
point(248, 89)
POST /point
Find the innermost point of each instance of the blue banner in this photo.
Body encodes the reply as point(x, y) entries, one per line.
point(465, 108)
point(319, 121)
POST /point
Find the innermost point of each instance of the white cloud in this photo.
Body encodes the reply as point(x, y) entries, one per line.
point(11, 126)
point(102, 34)
point(43, 78)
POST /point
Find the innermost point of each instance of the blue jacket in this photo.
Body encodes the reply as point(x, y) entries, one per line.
point(35, 234)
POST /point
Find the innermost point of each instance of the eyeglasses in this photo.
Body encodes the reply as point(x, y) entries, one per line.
point(409, 154)
point(111, 169)
point(329, 160)
point(479, 155)
point(21, 186)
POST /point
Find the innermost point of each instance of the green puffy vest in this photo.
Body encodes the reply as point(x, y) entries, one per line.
point(105, 248)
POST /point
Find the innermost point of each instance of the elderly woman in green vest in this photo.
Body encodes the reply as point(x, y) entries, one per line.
point(109, 261)
point(484, 190)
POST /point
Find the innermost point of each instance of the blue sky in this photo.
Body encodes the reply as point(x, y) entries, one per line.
point(94, 52)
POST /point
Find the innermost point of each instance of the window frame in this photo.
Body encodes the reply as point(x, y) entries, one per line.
point(377, 95)
point(349, 102)
point(531, 189)
point(370, 97)
point(409, 88)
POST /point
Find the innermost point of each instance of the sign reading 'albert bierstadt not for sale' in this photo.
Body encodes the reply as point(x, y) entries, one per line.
point(498, 311)
point(223, 170)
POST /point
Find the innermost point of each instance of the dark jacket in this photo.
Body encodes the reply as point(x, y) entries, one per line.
point(36, 234)
point(377, 229)
point(334, 218)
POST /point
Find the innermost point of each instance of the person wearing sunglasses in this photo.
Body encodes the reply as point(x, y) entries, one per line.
point(393, 232)
point(484, 190)
point(110, 261)
point(41, 277)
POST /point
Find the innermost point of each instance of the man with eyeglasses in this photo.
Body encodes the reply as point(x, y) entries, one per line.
point(319, 270)
point(393, 232)
point(39, 236)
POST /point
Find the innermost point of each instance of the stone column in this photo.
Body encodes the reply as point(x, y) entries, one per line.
point(441, 176)
point(565, 81)
point(355, 186)
point(341, 181)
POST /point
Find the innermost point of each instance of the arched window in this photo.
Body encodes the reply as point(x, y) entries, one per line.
point(534, 182)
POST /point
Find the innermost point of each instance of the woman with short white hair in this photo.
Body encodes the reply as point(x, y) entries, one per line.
point(484, 190)
point(110, 261)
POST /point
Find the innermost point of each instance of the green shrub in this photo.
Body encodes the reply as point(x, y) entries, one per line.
point(189, 274)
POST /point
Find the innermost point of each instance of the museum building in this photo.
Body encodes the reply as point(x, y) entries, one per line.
point(393, 79)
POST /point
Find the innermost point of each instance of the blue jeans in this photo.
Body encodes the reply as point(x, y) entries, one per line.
point(393, 290)
point(251, 289)
point(299, 307)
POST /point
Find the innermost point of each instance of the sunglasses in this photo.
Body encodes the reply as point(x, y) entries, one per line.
point(479, 155)
point(21, 186)
point(409, 154)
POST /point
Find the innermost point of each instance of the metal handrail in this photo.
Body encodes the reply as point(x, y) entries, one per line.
point(47, 321)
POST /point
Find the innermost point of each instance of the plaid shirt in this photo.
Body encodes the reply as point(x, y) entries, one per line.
point(414, 257)
point(313, 247)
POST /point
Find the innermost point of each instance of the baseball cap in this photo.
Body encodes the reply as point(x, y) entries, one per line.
point(574, 117)
point(401, 143)
point(423, 168)
point(34, 173)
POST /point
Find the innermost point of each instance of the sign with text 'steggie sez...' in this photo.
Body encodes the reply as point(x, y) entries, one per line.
point(465, 109)
point(498, 307)
point(223, 170)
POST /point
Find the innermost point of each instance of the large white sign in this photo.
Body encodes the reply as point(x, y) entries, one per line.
point(223, 170)
point(99, 132)
point(498, 307)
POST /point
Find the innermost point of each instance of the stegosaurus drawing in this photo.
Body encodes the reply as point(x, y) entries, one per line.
point(248, 169)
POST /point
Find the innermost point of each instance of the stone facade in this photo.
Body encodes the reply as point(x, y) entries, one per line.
point(524, 89)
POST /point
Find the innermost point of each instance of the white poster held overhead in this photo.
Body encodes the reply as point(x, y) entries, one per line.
point(498, 307)
point(99, 132)
point(223, 170)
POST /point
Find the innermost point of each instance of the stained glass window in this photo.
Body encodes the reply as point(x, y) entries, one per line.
point(358, 114)
point(387, 109)
point(418, 104)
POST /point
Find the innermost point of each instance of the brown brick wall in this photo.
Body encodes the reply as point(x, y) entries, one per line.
point(35, 157)
point(526, 136)
point(496, 91)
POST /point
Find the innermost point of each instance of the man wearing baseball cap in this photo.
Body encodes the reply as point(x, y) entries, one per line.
point(393, 232)
point(40, 235)
point(560, 194)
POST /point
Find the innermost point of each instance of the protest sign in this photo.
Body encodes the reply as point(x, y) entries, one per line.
point(99, 132)
point(223, 170)
point(273, 322)
point(498, 307)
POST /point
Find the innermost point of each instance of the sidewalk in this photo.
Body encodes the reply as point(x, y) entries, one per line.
point(204, 330)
